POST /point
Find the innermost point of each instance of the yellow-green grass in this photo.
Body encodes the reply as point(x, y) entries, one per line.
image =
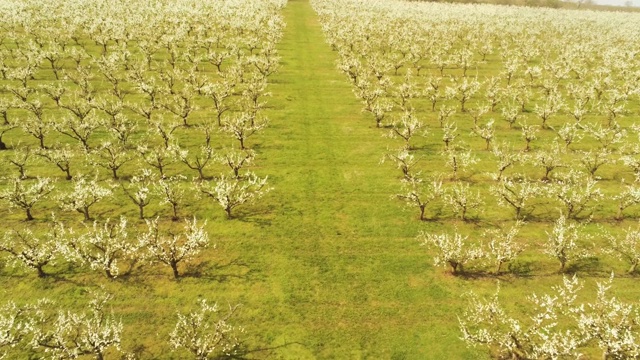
point(327, 265)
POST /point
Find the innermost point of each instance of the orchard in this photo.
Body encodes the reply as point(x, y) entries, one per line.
point(322, 179)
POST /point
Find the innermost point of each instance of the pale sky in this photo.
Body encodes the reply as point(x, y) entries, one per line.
point(616, 2)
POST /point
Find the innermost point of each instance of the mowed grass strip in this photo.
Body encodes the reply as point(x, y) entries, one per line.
point(344, 261)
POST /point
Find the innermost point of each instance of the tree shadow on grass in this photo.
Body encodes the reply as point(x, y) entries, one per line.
point(261, 222)
point(139, 351)
point(256, 215)
point(58, 278)
point(263, 352)
point(589, 265)
point(65, 273)
point(429, 148)
point(520, 268)
point(625, 275)
point(234, 269)
point(514, 270)
point(531, 217)
point(50, 280)
point(477, 221)
point(434, 215)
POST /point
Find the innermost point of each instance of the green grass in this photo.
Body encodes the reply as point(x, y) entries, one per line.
point(327, 265)
point(345, 259)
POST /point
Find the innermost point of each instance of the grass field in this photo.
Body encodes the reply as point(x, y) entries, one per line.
point(327, 265)
point(351, 264)
point(340, 258)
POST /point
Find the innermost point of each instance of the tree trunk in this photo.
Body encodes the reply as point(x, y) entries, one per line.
point(175, 212)
point(85, 212)
point(174, 267)
point(41, 272)
point(109, 274)
point(454, 266)
point(85, 145)
point(29, 216)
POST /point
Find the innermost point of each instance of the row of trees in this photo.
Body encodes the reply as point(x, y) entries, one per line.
point(49, 331)
point(575, 191)
point(557, 325)
point(142, 190)
point(574, 194)
point(108, 247)
point(567, 242)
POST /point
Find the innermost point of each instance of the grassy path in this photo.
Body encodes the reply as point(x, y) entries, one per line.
point(345, 279)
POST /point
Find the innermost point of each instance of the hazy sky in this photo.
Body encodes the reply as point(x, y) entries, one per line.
point(616, 2)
